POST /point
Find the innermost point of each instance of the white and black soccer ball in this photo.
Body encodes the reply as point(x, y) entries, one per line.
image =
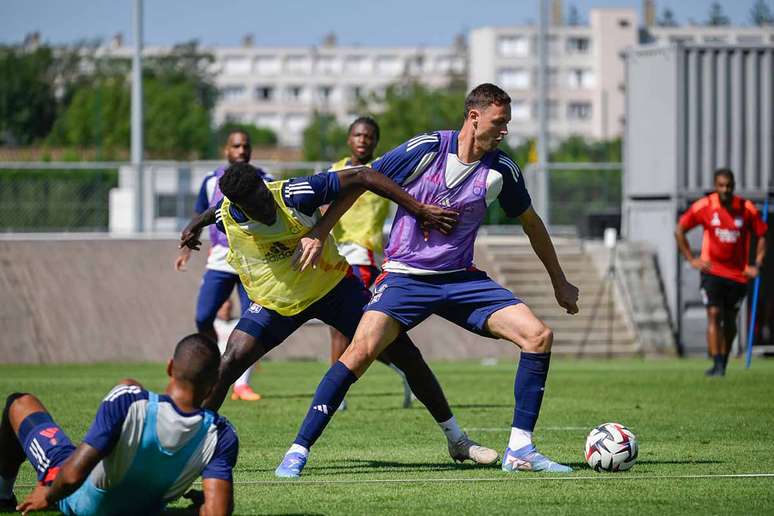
point(611, 447)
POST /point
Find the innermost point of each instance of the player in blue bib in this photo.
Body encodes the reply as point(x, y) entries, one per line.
point(142, 450)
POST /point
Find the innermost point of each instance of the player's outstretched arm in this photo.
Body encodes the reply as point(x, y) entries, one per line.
point(190, 236)
point(427, 215)
point(353, 181)
point(74, 471)
point(566, 293)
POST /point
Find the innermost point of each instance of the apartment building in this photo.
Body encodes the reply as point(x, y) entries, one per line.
point(281, 88)
point(585, 67)
point(585, 73)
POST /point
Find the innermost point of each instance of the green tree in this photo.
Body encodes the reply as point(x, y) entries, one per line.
point(411, 109)
point(760, 14)
point(716, 16)
point(27, 101)
point(178, 96)
point(324, 139)
point(667, 18)
point(259, 136)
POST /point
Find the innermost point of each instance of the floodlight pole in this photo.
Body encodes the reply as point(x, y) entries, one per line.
point(542, 143)
point(137, 129)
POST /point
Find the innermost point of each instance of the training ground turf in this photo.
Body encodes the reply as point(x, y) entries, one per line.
point(706, 444)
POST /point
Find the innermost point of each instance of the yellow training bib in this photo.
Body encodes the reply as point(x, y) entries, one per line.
point(362, 224)
point(261, 255)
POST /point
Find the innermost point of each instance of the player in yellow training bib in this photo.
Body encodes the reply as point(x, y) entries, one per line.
point(264, 223)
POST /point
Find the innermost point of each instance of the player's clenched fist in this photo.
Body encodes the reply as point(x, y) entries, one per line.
point(567, 296)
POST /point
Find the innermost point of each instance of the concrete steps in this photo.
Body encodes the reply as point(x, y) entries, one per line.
point(512, 262)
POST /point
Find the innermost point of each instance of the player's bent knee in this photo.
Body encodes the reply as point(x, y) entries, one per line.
point(540, 341)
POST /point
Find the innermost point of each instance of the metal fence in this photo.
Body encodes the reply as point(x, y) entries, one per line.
point(51, 197)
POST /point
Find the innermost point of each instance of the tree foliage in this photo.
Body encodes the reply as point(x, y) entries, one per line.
point(324, 139)
point(761, 14)
point(259, 136)
point(178, 97)
point(716, 16)
point(27, 101)
point(667, 18)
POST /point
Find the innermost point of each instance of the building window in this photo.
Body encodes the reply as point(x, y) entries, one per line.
point(328, 65)
point(235, 65)
point(294, 93)
point(715, 39)
point(267, 65)
point(513, 46)
point(623, 23)
point(578, 45)
point(264, 93)
point(514, 78)
point(389, 65)
point(519, 110)
point(296, 123)
point(324, 93)
point(552, 111)
point(298, 64)
point(232, 93)
point(580, 79)
point(270, 121)
point(749, 40)
point(356, 92)
point(579, 111)
point(358, 64)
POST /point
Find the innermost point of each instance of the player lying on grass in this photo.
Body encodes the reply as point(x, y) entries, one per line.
point(142, 450)
point(434, 273)
point(264, 223)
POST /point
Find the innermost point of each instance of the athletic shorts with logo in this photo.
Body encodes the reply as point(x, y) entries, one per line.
point(466, 298)
point(341, 308)
point(722, 292)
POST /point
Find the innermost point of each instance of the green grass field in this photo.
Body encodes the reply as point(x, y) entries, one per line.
point(698, 437)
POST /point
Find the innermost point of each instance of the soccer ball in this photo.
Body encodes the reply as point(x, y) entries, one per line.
point(611, 447)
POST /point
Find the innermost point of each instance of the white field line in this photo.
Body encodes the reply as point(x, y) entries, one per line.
point(507, 478)
point(542, 428)
point(518, 477)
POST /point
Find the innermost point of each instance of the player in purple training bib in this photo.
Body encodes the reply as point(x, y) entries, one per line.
point(430, 273)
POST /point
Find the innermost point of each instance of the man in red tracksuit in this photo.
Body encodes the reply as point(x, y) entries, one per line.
point(729, 222)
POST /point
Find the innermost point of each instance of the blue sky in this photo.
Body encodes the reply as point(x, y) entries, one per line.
point(301, 22)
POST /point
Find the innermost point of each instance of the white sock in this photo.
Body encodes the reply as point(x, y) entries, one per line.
point(6, 487)
point(451, 430)
point(245, 378)
point(519, 438)
point(297, 448)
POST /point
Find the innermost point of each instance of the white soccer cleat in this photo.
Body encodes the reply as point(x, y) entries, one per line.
point(468, 449)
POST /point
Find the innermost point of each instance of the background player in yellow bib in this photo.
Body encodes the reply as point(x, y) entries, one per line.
point(264, 223)
point(358, 233)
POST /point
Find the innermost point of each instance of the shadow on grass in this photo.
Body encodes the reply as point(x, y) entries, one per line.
point(368, 465)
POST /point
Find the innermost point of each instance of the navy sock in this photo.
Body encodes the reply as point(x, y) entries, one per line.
point(332, 389)
point(528, 389)
point(718, 361)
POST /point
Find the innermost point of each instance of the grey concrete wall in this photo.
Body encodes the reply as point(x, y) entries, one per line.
point(95, 300)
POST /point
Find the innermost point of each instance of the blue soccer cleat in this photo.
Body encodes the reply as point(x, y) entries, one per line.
point(529, 459)
point(291, 466)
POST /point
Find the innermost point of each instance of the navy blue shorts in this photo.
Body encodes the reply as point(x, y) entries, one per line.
point(45, 444)
point(216, 287)
point(466, 298)
point(341, 308)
